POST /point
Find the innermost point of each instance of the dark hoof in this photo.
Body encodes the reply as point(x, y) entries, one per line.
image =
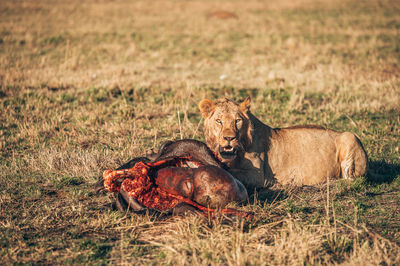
point(125, 203)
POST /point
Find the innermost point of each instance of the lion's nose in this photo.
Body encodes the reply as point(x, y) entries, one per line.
point(229, 138)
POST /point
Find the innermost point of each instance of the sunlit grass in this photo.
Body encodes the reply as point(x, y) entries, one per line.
point(86, 86)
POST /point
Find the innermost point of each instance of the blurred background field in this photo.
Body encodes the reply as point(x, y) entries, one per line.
point(87, 85)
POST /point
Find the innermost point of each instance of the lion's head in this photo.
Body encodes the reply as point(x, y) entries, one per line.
point(228, 129)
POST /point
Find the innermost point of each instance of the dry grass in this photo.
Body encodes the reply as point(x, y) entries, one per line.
point(85, 86)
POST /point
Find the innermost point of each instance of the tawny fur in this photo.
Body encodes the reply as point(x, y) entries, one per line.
point(299, 155)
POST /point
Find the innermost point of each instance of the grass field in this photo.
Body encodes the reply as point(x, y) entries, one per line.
point(88, 85)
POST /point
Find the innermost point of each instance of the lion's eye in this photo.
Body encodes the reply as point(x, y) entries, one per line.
point(218, 121)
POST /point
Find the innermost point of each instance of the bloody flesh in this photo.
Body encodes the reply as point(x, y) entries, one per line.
point(161, 185)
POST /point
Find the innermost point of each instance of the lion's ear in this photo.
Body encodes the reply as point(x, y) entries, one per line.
point(245, 105)
point(206, 107)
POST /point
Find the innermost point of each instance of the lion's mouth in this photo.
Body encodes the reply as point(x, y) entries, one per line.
point(228, 152)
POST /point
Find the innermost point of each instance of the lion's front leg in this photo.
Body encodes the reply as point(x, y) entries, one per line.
point(250, 170)
point(250, 178)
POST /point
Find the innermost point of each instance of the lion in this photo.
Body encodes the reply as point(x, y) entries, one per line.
point(259, 155)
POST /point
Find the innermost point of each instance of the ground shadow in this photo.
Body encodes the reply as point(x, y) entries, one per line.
point(382, 172)
point(268, 194)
